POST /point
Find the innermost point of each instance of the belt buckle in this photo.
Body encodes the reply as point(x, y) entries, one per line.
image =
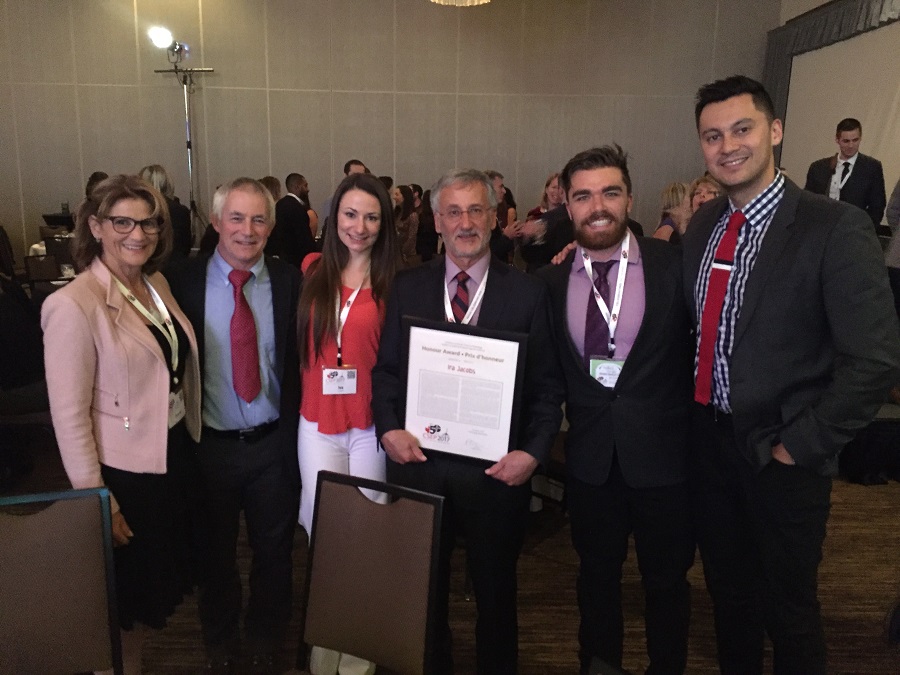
point(247, 435)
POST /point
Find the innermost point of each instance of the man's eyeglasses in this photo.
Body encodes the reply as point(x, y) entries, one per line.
point(454, 215)
point(124, 224)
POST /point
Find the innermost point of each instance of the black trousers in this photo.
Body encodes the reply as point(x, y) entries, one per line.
point(492, 518)
point(602, 518)
point(251, 477)
point(760, 536)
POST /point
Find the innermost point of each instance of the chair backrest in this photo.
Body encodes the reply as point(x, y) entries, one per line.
point(57, 584)
point(61, 247)
point(371, 573)
point(41, 268)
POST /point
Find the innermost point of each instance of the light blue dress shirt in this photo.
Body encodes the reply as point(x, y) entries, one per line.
point(222, 408)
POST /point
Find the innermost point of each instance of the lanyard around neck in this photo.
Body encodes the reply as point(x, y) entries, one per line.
point(611, 317)
point(473, 306)
point(342, 315)
point(166, 327)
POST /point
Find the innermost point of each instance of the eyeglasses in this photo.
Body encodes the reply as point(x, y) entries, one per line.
point(454, 215)
point(124, 224)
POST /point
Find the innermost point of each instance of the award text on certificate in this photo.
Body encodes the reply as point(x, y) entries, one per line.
point(460, 392)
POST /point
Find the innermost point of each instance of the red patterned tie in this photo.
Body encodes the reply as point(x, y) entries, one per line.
point(244, 350)
point(712, 307)
point(460, 302)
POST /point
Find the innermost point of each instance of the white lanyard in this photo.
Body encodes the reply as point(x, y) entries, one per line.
point(167, 328)
point(473, 306)
point(342, 317)
point(611, 318)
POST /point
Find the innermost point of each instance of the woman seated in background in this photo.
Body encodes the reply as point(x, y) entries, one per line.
point(702, 190)
point(534, 247)
point(179, 214)
point(339, 321)
point(676, 212)
point(273, 185)
point(124, 387)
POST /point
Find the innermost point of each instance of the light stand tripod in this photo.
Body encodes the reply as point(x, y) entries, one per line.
point(176, 52)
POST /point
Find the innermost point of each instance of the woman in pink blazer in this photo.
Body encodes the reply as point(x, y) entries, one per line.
point(124, 386)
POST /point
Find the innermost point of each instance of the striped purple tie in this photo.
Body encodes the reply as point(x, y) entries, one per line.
point(460, 302)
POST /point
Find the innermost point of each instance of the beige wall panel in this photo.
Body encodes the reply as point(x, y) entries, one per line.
point(426, 46)
point(110, 129)
point(747, 55)
point(681, 45)
point(10, 204)
point(162, 137)
point(4, 43)
point(48, 157)
point(488, 134)
point(105, 47)
point(793, 8)
point(563, 69)
point(490, 48)
point(364, 130)
point(182, 17)
point(43, 30)
point(299, 40)
point(552, 131)
point(301, 139)
point(426, 137)
point(239, 59)
point(362, 52)
point(616, 56)
point(238, 134)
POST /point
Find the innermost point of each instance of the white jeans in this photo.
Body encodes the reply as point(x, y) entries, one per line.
point(354, 452)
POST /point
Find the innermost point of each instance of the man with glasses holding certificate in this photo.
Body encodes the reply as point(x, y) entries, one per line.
point(623, 334)
point(485, 503)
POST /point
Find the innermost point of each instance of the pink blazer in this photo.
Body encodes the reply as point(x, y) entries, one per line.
point(108, 379)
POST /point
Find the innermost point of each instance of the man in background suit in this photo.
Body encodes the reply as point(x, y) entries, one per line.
point(487, 505)
point(797, 347)
point(250, 412)
point(850, 176)
point(292, 238)
point(628, 423)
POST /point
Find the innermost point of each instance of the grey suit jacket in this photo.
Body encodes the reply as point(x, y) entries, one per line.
point(816, 346)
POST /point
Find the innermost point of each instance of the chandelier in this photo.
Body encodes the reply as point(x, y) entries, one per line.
point(461, 3)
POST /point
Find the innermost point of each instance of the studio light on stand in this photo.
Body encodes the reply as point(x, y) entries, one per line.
point(176, 53)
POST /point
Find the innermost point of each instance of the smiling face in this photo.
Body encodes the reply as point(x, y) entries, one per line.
point(243, 228)
point(359, 222)
point(737, 141)
point(125, 254)
point(848, 142)
point(598, 203)
point(703, 193)
point(466, 238)
point(554, 193)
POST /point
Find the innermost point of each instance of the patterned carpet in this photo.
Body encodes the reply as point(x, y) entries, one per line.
point(859, 578)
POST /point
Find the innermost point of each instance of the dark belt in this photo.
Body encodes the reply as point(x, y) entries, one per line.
point(251, 435)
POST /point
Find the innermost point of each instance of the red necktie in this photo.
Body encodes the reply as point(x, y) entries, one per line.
point(460, 302)
point(712, 307)
point(244, 350)
point(596, 330)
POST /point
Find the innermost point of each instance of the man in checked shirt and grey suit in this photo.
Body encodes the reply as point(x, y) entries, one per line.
point(797, 347)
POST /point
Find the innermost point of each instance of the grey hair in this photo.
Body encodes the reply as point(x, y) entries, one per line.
point(244, 183)
point(464, 177)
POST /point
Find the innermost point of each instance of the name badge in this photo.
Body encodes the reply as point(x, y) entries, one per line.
point(176, 407)
point(338, 381)
point(606, 371)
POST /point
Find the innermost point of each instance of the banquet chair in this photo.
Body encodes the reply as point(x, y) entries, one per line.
point(371, 573)
point(57, 586)
point(61, 248)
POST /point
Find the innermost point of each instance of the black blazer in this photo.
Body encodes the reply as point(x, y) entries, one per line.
point(864, 187)
point(816, 346)
point(188, 284)
point(644, 419)
point(291, 239)
point(512, 301)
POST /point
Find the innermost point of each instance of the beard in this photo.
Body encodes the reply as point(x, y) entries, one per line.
point(600, 240)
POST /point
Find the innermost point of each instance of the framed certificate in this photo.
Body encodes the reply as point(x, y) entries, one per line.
point(463, 387)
